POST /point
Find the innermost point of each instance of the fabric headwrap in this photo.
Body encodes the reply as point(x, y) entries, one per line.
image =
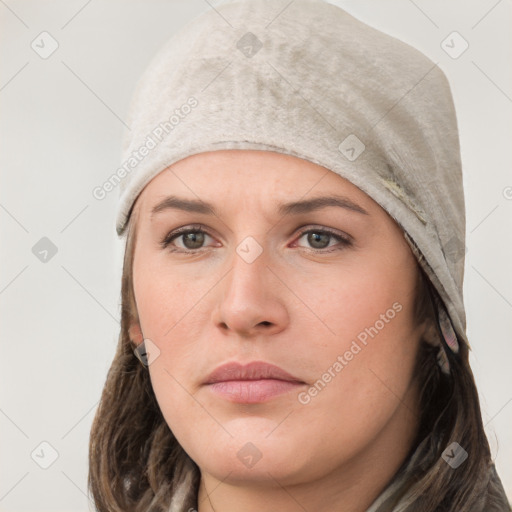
point(307, 79)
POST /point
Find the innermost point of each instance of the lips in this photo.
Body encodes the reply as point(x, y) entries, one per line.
point(257, 370)
point(252, 383)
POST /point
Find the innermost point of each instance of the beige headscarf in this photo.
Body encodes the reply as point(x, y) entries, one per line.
point(311, 81)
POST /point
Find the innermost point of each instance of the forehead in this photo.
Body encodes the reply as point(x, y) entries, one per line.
point(248, 177)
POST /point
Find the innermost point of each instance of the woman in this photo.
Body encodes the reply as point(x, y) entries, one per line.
point(292, 286)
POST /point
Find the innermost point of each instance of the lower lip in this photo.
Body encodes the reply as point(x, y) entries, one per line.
point(252, 391)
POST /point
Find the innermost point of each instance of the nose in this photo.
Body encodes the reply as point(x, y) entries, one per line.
point(251, 299)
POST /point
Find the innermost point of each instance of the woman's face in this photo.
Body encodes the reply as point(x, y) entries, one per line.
point(276, 277)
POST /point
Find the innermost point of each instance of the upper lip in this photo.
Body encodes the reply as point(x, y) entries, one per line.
point(255, 370)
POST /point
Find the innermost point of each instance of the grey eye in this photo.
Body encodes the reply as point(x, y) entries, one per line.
point(318, 240)
point(193, 239)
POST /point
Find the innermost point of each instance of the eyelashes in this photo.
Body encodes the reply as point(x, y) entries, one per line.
point(343, 240)
point(170, 237)
point(201, 234)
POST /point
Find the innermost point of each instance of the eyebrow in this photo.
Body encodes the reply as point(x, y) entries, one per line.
point(293, 208)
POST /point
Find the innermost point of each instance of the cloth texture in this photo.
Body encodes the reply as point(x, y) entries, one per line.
point(308, 79)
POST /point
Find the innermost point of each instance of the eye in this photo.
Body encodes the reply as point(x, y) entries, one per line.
point(191, 239)
point(319, 239)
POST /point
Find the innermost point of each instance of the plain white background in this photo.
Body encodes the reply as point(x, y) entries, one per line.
point(61, 127)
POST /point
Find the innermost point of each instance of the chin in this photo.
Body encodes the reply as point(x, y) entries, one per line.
point(258, 461)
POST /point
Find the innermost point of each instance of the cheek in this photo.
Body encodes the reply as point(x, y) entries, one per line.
point(362, 365)
point(367, 300)
point(160, 295)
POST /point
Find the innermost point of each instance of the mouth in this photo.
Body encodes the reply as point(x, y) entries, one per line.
point(252, 383)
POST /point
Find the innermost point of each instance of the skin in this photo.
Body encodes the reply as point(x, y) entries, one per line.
point(292, 307)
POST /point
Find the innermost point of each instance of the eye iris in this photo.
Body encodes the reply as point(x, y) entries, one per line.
point(196, 238)
point(313, 238)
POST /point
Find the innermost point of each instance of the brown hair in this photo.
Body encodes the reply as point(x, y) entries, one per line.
point(136, 463)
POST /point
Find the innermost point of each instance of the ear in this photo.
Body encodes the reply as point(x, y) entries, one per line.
point(135, 333)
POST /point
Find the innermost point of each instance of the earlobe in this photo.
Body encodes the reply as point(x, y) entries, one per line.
point(135, 333)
